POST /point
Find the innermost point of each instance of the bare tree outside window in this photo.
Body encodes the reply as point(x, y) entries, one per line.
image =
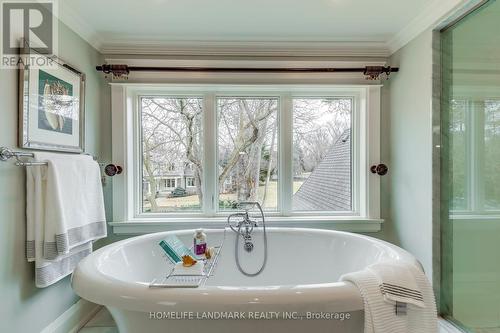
point(171, 154)
point(247, 151)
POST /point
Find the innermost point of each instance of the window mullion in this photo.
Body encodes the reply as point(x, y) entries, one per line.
point(285, 155)
point(209, 155)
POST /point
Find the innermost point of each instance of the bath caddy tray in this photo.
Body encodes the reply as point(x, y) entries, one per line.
point(172, 280)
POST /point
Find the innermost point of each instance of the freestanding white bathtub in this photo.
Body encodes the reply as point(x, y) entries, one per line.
point(298, 291)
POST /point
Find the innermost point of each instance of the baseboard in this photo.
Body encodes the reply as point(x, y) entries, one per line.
point(74, 318)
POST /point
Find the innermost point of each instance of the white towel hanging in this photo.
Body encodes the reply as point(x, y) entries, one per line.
point(65, 213)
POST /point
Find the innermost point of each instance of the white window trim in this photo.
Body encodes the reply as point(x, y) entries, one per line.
point(366, 119)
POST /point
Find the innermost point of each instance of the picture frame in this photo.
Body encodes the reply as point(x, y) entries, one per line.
point(51, 106)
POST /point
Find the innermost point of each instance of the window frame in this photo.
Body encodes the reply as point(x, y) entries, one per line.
point(355, 158)
point(365, 119)
point(170, 181)
point(188, 182)
point(474, 154)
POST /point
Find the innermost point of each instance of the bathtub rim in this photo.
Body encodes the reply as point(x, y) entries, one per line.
point(90, 283)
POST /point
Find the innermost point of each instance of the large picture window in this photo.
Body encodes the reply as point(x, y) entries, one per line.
point(247, 162)
point(191, 153)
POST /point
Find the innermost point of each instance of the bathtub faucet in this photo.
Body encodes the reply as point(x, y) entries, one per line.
point(244, 224)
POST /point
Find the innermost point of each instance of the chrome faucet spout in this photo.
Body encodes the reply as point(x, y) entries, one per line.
point(237, 221)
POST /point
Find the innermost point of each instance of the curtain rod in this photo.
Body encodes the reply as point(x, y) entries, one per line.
point(371, 72)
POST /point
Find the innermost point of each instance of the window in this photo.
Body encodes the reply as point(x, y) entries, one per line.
point(247, 151)
point(322, 154)
point(171, 135)
point(170, 182)
point(474, 137)
point(304, 153)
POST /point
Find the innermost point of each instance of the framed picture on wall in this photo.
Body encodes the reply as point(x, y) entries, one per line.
point(51, 106)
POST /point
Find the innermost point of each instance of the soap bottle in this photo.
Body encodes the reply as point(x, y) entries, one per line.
point(200, 242)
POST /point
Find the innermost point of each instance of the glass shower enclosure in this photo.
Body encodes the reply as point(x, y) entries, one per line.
point(470, 170)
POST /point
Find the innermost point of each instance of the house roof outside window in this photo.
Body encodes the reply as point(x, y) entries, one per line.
point(328, 188)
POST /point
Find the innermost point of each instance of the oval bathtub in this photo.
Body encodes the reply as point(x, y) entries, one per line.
point(299, 289)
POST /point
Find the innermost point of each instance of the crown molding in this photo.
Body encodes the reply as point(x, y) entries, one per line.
point(248, 62)
point(247, 48)
point(70, 17)
point(432, 15)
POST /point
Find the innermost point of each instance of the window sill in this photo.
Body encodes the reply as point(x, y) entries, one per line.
point(351, 224)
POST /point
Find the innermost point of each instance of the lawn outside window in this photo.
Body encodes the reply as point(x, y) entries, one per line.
point(192, 152)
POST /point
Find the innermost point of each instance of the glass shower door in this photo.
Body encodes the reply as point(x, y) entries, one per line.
point(470, 170)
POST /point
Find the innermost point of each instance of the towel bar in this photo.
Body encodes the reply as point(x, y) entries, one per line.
point(6, 154)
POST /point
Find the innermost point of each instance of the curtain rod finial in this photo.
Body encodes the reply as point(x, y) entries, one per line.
point(118, 71)
point(374, 72)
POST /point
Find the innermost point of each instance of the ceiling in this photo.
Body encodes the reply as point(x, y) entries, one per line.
point(121, 25)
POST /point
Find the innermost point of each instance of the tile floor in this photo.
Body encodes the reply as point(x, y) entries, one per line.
point(101, 323)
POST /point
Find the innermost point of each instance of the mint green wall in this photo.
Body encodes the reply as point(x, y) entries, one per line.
point(23, 307)
point(410, 141)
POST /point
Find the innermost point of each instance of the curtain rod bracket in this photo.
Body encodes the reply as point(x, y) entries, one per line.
point(374, 72)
